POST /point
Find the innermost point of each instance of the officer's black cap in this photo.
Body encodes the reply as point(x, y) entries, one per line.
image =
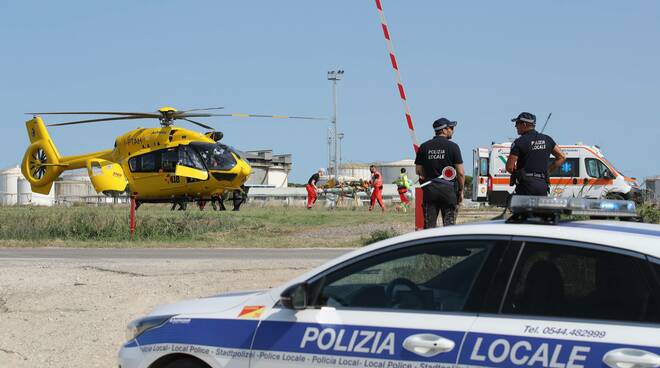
point(443, 123)
point(525, 117)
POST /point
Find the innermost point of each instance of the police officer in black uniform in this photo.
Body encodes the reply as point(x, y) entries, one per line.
point(529, 157)
point(435, 159)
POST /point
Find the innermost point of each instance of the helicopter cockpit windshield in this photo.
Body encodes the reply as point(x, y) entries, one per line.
point(215, 156)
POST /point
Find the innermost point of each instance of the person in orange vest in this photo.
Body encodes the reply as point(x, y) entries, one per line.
point(377, 185)
point(311, 188)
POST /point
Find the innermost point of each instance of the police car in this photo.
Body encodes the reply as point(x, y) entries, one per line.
point(496, 294)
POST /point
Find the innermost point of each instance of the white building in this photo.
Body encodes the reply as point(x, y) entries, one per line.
point(653, 186)
point(268, 170)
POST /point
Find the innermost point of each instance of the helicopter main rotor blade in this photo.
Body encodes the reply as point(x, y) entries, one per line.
point(143, 114)
point(205, 109)
point(196, 115)
point(239, 115)
point(97, 120)
point(200, 124)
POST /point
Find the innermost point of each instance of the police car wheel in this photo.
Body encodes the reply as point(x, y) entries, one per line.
point(185, 363)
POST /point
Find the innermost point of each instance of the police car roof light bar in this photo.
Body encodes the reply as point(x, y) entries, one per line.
point(533, 205)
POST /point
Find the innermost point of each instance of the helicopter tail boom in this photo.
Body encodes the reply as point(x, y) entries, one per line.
point(41, 163)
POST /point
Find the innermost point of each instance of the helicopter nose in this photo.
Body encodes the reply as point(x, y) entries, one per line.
point(246, 170)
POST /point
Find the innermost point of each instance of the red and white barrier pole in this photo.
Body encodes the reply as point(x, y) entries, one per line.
point(419, 214)
point(395, 66)
point(131, 220)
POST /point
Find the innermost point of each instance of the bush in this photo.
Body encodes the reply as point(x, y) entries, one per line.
point(379, 235)
point(650, 214)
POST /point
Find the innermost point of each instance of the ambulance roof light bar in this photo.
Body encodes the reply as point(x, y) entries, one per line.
point(524, 207)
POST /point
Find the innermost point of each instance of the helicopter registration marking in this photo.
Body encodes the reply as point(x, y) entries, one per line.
point(132, 140)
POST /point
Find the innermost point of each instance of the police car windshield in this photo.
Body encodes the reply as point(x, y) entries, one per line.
point(215, 156)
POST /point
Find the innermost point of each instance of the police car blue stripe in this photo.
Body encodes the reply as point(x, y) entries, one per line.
point(479, 349)
point(349, 340)
point(620, 229)
point(310, 338)
point(227, 333)
point(506, 351)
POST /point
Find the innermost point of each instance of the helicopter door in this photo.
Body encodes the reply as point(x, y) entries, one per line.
point(149, 169)
point(190, 164)
point(168, 163)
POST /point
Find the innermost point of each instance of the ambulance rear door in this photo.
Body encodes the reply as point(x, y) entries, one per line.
point(480, 174)
point(498, 178)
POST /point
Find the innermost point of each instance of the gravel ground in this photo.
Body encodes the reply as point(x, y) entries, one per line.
point(72, 313)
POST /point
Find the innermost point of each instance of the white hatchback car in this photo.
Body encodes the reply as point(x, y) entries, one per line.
point(496, 294)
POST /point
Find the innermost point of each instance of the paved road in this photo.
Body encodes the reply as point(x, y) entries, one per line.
point(154, 253)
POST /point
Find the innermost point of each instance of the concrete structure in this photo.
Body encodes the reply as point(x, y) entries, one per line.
point(268, 170)
point(355, 170)
point(653, 187)
point(391, 170)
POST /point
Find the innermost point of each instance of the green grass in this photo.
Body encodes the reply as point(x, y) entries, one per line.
point(650, 214)
point(158, 226)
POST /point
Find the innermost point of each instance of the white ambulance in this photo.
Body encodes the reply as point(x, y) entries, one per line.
point(586, 173)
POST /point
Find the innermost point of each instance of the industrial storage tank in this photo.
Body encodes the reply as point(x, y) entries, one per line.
point(75, 186)
point(391, 170)
point(9, 186)
point(355, 170)
point(26, 197)
point(24, 192)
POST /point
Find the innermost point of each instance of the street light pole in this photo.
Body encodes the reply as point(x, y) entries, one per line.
point(329, 150)
point(340, 136)
point(334, 76)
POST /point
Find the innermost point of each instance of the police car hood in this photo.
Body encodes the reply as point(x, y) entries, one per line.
point(212, 304)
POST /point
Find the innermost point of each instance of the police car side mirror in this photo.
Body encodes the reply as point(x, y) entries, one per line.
point(295, 296)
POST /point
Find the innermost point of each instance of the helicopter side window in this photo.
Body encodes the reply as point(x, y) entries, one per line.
point(145, 163)
point(188, 157)
point(169, 159)
point(216, 156)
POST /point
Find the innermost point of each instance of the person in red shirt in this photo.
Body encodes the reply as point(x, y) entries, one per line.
point(377, 185)
point(311, 188)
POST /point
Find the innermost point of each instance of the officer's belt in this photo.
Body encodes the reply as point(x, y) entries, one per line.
point(442, 181)
point(535, 175)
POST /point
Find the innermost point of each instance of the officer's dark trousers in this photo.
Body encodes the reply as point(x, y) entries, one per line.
point(530, 185)
point(439, 199)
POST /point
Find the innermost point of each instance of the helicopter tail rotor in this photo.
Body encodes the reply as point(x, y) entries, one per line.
point(41, 162)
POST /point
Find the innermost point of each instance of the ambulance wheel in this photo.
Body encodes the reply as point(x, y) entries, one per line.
point(187, 362)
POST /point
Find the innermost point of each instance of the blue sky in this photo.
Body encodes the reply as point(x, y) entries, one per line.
point(594, 64)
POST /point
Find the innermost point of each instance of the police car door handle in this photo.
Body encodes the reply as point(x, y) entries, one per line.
point(631, 358)
point(428, 345)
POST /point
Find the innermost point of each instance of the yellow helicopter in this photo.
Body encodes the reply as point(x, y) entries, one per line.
point(168, 164)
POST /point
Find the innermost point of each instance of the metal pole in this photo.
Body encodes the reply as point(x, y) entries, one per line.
point(334, 122)
point(329, 150)
point(341, 137)
point(334, 76)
